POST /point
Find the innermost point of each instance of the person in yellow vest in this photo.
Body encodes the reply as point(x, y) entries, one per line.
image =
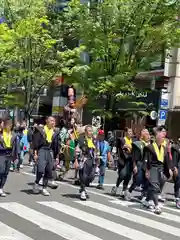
point(87, 161)
point(9, 150)
point(46, 152)
point(165, 143)
point(125, 166)
point(158, 170)
point(138, 164)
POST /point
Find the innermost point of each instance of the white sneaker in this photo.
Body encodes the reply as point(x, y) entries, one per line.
point(41, 182)
point(161, 199)
point(11, 169)
point(45, 192)
point(2, 194)
point(147, 204)
point(31, 164)
point(83, 196)
point(36, 189)
point(151, 203)
point(127, 195)
point(52, 184)
point(21, 166)
point(143, 199)
point(97, 171)
point(139, 189)
point(122, 193)
point(157, 210)
point(114, 190)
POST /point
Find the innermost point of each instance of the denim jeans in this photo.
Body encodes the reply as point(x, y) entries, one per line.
point(102, 169)
point(21, 159)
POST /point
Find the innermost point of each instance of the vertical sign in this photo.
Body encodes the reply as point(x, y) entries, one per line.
point(164, 105)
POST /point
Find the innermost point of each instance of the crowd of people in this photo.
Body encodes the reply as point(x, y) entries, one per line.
point(146, 162)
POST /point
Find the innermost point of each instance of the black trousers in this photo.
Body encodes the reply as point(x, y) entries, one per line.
point(86, 173)
point(45, 165)
point(156, 182)
point(138, 178)
point(5, 164)
point(124, 174)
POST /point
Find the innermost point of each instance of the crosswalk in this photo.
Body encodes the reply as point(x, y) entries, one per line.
point(90, 220)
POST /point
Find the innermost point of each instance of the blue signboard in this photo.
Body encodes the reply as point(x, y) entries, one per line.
point(162, 114)
point(164, 103)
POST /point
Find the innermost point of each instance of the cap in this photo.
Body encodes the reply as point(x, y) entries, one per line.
point(101, 132)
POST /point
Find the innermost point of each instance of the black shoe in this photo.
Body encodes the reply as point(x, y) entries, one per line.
point(100, 186)
point(77, 182)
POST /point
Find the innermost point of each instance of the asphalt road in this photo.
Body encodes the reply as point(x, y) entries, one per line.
point(25, 216)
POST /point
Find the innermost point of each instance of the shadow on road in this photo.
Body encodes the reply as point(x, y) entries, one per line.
point(28, 191)
point(109, 194)
point(72, 196)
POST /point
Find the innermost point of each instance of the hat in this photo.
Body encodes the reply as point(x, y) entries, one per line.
point(101, 132)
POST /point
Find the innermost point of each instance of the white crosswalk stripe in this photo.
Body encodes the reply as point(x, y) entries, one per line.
point(45, 222)
point(98, 221)
point(120, 221)
point(8, 233)
point(132, 217)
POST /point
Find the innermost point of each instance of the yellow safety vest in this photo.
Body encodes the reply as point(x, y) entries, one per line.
point(128, 142)
point(159, 152)
point(49, 133)
point(7, 138)
point(90, 143)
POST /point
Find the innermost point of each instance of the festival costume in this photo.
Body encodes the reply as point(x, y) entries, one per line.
point(87, 163)
point(46, 143)
point(124, 164)
point(158, 166)
point(137, 159)
point(9, 150)
point(68, 147)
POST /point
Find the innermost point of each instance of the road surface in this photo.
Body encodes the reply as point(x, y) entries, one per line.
point(25, 216)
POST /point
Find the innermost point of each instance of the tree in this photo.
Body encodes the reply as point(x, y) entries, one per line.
point(32, 55)
point(122, 39)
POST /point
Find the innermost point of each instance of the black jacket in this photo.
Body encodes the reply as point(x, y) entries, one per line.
point(39, 141)
point(84, 147)
point(151, 159)
point(123, 154)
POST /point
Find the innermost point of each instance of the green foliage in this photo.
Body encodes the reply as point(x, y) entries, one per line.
point(12, 100)
point(31, 54)
point(122, 38)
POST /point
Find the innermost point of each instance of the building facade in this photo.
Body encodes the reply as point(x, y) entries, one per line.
point(172, 71)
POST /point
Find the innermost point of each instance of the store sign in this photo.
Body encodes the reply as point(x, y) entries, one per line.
point(133, 94)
